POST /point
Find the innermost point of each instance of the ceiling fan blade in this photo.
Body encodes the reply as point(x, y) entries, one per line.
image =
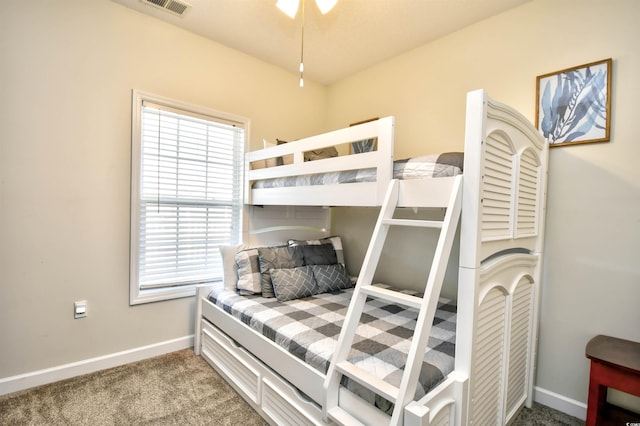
point(326, 5)
point(289, 7)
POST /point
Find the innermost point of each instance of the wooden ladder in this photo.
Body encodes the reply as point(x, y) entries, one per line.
point(345, 413)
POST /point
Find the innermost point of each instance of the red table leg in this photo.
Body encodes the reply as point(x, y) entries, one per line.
point(597, 394)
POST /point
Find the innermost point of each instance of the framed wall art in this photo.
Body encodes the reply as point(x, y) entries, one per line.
point(573, 106)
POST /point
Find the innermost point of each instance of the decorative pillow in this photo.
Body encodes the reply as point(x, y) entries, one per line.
point(249, 277)
point(336, 241)
point(323, 254)
point(271, 162)
point(319, 154)
point(293, 283)
point(229, 267)
point(277, 258)
point(330, 278)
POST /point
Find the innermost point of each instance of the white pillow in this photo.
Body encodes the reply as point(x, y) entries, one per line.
point(266, 144)
point(229, 267)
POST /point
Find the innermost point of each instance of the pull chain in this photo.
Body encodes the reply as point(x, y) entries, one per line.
point(302, 49)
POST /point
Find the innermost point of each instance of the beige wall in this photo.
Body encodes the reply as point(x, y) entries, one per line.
point(66, 74)
point(68, 67)
point(592, 269)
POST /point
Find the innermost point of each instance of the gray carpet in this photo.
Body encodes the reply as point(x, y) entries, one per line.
point(541, 415)
point(174, 389)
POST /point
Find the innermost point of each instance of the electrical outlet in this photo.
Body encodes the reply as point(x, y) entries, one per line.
point(79, 309)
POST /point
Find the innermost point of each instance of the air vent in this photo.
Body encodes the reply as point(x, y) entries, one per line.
point(177, 7)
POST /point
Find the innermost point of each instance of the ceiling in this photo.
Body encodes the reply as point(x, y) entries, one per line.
point(355, 35)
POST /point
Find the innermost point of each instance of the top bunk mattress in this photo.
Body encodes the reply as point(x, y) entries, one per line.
point(309, 329)
point(427, 166)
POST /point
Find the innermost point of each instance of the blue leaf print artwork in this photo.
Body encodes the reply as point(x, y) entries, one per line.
point(573, 105)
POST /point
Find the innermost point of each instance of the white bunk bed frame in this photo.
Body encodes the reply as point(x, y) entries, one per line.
point(503, 194)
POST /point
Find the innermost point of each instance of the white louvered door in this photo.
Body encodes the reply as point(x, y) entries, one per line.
point(488, 362)
point(519, 345)
point(502, 354)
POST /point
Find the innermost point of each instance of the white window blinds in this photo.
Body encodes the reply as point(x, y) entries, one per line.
point(189, 198)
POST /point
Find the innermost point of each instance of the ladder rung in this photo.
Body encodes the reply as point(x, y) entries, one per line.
point(393, 296)
point(414, 223)
point(342, 417)
point(368, 380)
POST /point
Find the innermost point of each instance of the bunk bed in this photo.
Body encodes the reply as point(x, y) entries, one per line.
point(499, 199)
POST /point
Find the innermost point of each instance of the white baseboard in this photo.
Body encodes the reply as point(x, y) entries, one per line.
point(91, 365)
point(561, 403)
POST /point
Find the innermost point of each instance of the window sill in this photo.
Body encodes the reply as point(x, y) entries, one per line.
point(139, 297)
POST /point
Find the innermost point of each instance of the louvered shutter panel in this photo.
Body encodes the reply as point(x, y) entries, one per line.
point(497, 188)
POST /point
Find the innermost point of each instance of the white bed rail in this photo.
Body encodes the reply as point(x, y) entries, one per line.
point(369, 194)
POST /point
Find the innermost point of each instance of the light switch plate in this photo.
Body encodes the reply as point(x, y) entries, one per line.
point(80, 309)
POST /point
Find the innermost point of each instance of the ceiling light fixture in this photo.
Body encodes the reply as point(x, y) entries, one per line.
point(290, 8)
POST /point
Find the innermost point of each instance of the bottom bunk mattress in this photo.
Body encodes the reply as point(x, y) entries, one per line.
point(309, 329)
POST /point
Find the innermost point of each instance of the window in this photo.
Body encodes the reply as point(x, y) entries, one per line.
point(186, 195)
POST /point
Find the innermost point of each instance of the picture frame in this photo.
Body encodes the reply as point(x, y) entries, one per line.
point(573, 106)
point(365, 145)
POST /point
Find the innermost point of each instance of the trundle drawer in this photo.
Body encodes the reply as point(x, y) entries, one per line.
point(284, 405)
point(233, 361)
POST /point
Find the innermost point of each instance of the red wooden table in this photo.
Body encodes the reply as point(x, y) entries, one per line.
point(615, 363)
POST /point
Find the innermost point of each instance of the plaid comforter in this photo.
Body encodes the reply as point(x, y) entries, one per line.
point(428, 166)
point(309, 328)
